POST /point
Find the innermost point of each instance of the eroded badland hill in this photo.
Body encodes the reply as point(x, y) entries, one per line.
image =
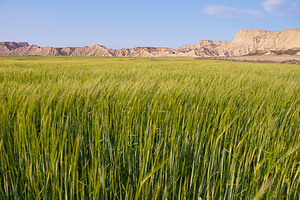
point(246, 42)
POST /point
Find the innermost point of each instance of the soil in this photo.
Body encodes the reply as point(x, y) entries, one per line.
point(290, 59)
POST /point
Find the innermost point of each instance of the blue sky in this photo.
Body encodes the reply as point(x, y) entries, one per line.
point(130, 23)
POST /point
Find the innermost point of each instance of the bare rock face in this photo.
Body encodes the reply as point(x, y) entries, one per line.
point(94, 50)
point(67, 51)
point(262, 40)
point(13, 45)
point(6, 47)
point(245, 42)
point(206, 48)
point(145, 52)
point(34, 50)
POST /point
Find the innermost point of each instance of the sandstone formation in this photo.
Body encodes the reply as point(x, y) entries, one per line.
point(246, 42)
point(6, 47)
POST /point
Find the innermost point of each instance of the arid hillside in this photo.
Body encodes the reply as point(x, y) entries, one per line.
point(246, 42)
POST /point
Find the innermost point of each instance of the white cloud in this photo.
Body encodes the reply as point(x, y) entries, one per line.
point(282, 7)
point(231, 12)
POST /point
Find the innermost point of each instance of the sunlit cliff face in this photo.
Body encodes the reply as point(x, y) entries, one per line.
point(245, 42)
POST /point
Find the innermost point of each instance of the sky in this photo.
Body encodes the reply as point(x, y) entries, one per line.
point(131, 23)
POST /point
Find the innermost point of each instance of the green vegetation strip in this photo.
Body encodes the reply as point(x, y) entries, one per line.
point(148, 128)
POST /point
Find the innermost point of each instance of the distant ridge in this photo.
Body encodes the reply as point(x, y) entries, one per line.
point(245, 42)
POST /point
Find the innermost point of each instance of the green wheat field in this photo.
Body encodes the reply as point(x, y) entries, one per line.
point(148, 128)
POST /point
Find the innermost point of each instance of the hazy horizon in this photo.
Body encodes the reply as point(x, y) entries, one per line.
point(133, 23)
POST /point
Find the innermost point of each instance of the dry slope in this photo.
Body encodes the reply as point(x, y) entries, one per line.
point(245, 42)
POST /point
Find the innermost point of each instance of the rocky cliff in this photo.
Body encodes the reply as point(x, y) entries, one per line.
point(6, 47)
point(245, 42)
